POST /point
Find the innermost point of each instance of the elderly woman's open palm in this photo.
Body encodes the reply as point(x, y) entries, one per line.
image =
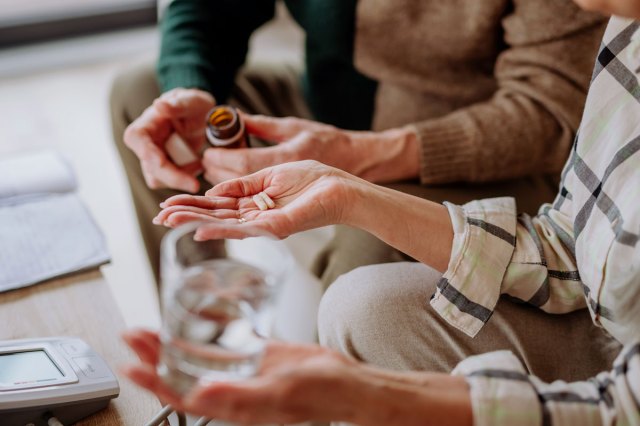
point(307, 195)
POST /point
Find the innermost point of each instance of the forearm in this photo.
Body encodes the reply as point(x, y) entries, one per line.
point(420, 228)
point(204, 43)
point(409, 398)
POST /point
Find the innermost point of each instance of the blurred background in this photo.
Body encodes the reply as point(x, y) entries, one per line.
point(57, 61)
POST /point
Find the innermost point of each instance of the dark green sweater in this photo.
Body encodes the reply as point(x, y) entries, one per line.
point(205, 42)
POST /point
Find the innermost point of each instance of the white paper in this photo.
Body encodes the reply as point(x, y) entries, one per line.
point(27, 175)
point(47, 237)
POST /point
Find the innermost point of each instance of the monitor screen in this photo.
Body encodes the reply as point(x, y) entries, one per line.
point(27, 367)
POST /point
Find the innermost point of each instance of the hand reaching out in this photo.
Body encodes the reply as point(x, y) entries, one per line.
point(291, 385)
point(307, 195)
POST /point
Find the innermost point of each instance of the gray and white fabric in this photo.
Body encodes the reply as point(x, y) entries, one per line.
point(581, 251)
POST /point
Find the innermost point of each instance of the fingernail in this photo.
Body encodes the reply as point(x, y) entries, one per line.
point(163, 205)
point(156, 221)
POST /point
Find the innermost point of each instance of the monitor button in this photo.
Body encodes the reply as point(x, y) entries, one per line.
point(92, 367)
point(73, 349)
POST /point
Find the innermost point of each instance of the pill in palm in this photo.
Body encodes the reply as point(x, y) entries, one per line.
point(260, 202)
point(263, 201)
point(270, 203)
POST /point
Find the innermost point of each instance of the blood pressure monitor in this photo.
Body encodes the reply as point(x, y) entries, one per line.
point(59, 377)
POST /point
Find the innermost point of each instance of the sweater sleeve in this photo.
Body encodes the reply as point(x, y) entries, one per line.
point(502, 393)
point(204, 42)
point(529, 123)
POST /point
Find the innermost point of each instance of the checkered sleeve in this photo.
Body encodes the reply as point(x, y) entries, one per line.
point(503, 394)
point(496, 252)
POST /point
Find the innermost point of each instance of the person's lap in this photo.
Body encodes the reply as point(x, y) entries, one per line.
point(381, 315)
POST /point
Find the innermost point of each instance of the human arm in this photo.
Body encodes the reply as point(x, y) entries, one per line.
point(503, 393)
point(204, 43)
point(309, 195)
point(374, 156)
point(529, 123)
point(298, 383)
point(480, 242)
point(525, 128)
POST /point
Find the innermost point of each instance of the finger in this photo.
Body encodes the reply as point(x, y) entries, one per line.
point(162, 169)
point(200, 201)
point(192, 169)
point(181, 217)
point(187, 110)
point(276, 129)
point(240, 187)
point(146, 376)
point(248, 402)
point(248, 160)
point(231, 230)
point(219, 175)
point(182, 102)
point(165, 215)
point(145, 344)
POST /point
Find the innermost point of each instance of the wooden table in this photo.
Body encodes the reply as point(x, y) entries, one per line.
point(81, 306)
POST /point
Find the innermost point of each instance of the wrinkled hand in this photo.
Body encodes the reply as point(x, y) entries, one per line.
point(294, 383)
point(307, 195)
point(182, 111)
point(295, 139)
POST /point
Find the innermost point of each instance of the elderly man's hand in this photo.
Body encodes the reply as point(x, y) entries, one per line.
point(182, 111)
point(375, 156)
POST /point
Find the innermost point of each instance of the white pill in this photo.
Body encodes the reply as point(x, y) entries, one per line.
point(179, 151)
point(262, 205)
point(268, 200)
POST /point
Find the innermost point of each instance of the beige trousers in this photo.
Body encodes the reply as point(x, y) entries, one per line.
point(381, 315)
point(274, 90)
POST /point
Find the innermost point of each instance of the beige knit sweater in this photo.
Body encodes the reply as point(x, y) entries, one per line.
point(494, 88)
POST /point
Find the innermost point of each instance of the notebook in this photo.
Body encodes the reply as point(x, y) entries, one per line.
point(45, 229)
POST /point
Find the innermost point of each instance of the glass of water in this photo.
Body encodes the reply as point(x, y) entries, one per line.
point(219, 304)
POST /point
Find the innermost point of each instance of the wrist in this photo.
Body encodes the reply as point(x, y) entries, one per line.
point(397, 219)
point(361, 204)
point(411, 398)
point(387, 156)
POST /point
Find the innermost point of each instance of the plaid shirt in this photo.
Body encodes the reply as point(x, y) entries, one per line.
point(582, 251)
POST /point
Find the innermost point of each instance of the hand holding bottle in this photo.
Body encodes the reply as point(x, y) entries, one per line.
point(375, 156)
point(179, 111)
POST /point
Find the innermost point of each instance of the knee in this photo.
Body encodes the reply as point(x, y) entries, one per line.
point(366, 310)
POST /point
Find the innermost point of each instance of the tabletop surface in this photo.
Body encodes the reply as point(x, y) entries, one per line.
point(80, 306)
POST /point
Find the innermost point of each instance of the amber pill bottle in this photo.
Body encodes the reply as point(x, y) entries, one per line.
point(225, 128)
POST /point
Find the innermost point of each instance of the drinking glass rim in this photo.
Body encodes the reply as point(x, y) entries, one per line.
point(168, 245)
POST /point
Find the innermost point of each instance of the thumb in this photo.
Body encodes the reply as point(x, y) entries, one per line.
point(245, 160)
point(274, 129)
point(240, 187)
point(179, 103)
